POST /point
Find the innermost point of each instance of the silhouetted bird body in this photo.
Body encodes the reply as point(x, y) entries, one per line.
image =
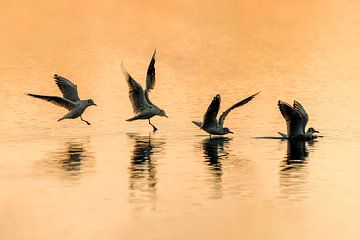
point(140, 101)
point(296, 120)
point(210, 123)
point(70, 99)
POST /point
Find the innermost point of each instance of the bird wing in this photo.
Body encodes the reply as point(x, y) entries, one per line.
point(147, 98)
point(238, 104)
point(62, 102)
point(136, 93)
point(298, 107)
point(212, 112)
point(68, 89)
point(150, 75)
point(293, 118)
point(150, 78)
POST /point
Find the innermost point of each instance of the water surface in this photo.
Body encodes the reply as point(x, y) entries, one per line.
point(118, 180)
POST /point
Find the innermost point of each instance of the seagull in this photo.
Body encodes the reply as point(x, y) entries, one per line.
point(142, 106)
point(296, 120)
point(210, 123)
point(70, 99)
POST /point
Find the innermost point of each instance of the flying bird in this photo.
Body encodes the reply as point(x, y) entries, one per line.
point(296, 119)
point(142, 106)
point(70, 99)
point(216, 127)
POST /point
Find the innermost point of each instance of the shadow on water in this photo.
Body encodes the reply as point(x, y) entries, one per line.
point(294, 170)
point(142, 168)
point(214, 153)
point(69, 162)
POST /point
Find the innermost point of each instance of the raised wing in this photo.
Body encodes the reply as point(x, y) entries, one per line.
point(298, 107)
point(68, 89)
point(293, 119)
point(62, 102)
point(212, 112)
point(136, 93)
point(150, 75)
point(238, 104)
point(147, 98)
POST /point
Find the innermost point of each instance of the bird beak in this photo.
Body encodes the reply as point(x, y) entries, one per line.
point(231, 132)
point(94, 104)
point(166, 116)
point(316, 131)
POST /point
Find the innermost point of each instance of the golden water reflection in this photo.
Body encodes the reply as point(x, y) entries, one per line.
point(70, 161)
point(294, 170)
point(304, 50)
point(143, 167)
point(214, 153)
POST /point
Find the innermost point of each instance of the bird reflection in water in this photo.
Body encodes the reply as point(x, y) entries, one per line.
point(296, 155)
point(214, 152)
point(71, 161)
point(143, 164)
point(294, 170)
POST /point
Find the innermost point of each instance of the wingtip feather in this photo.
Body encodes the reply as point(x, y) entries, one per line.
point(254, 95)
point(280, 103)
point(124, 69)
point(126, 73)
point(57, 77)
point(31, 95)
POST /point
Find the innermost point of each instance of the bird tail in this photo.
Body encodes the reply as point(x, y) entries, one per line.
point(199, 124)
point(131, 119)
point(283, 135)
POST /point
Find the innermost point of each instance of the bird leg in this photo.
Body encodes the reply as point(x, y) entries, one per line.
point(85, 121)
point(152, 125)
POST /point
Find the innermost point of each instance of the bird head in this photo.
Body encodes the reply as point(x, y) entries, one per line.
point(312, 130)
point(163, 114)
point(227, 130)
point(90, 102)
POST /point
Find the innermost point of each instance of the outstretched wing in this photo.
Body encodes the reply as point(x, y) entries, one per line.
point(62, 102)
point(293, 118)
point(212, 112)
point(238, 104)
point(150, 75)
point(68, 89)
point(136, 93)
point(298, 107)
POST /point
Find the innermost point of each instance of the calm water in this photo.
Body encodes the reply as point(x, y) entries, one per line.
point(118, 180)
